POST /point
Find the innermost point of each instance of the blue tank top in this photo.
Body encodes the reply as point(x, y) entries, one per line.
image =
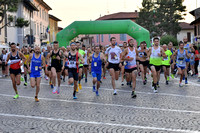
point(96, 64)
point(35, 64)
point(180, 59)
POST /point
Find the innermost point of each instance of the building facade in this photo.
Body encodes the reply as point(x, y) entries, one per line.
point(196, 24)
point(53, 23)
point(41, 22)
point(186, 31)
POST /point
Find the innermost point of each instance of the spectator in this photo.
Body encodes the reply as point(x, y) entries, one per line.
point(196, 59)
point(4, 66)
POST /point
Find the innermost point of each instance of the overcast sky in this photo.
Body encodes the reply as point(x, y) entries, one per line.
point(83, 10)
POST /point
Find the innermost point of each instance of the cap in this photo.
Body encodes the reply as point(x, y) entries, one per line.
point(129, 40)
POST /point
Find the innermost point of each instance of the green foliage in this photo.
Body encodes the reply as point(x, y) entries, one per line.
point(161, 16)
point(168, 38)
point(20, 22)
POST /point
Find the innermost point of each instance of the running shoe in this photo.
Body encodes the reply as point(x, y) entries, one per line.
point(36, 99)
point(63, 79)
point(77, 89)
point(74, 97)
point(115, 92)
point(122, 83)
point(100, 81)
point(80, 86)
point(25, 84)
point(144, 82)
point(167, 82)
point(58, 91)
point(180, 85)
point(97, 93)
point(104, 77)
point(22, 79)
point(85, 80)
point(54, 90)
point(155, 90)
point(94, 89)
point(46, 77)
point(52, 86)
point(167, 78)
point(145, 79)
point(186, 82)
point(172, 75)
point(152, 87)
point(133, 95)
point(16, 96)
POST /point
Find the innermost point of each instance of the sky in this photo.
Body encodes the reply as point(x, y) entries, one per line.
point(85, 10)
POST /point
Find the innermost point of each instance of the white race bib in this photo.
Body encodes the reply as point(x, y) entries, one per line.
point(95, 64)
point(36, 68)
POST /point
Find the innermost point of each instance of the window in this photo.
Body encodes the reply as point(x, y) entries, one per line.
point(198, 29)
point(122, 37)
point(195, 30)
point(189, 36)
point(102, 38)
point(97, 38)
point(109, 37)
point(38, 32)
point(40, 12)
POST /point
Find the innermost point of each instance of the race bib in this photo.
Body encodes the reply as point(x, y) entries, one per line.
point(36, 68)
point(95, 64)
point(181, 62)
point(72, 62)
point(116, 57)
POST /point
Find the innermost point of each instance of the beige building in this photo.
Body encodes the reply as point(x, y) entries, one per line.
point(53, 23)
point(2, 34)
point(41, 22)
point(187, 30)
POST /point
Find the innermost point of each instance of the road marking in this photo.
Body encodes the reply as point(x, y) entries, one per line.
point(99, 123)
point(139, 92)
point(112, 105)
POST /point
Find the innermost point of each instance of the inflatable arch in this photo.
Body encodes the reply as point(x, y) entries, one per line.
point(103, 27)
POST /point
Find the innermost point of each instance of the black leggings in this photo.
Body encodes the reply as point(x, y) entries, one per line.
point(196, 66)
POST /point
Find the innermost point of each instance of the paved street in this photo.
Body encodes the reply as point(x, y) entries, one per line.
point(173, 109)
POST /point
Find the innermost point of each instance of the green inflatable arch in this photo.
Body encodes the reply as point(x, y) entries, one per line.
point(103, 27)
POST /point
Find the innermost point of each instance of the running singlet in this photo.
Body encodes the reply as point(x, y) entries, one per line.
point(15, 61)
point(166, 60)
point(187, 47)
point(180, 59)
point(35, 64)
point(131, 64)
point(54, 61)
point(72, 61)
point(85, 62)
point(82, 53)
point(154, 58)
point(96, 64)
point(26, 56)
point(113, 54)
point(140, 54)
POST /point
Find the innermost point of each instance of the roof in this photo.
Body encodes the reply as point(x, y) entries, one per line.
point(30, 5)
point(54, 18)
point(44, 4)
point(120, 15)
point(186, 26)
point(193, 11)
point(195, 21)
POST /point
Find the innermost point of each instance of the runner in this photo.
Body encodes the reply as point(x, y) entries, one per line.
point(80, 65)
point(37, 62)
point(96, 67)
point(48, 67)
point(192, 62)
point(166, 63)
point(143, 63)
point(56, 56)
point(15, 57)
point(181, 55)
point(85, 65)
point(26, 55)
point(74, 59)
point(122, 66)
point(187, 47)
point(114, 54)
point(65, 65)
point(172, 66)
point(156, 53)
point(129, 55)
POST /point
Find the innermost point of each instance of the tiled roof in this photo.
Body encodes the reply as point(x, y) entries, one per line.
point(186, 26)
point(120, 15)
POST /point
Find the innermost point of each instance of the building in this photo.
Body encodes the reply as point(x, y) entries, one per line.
point(2, 33)
point(41, 22)
point(187, 30)
point(21, 35)
point(196, 24)
point(104, 39)
point(53, 23)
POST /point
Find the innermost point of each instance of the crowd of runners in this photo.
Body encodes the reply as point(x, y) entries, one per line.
point(77, 60)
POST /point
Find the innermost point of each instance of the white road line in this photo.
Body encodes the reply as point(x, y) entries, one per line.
point(100, 123)
point(140, 92)
point(112, 105)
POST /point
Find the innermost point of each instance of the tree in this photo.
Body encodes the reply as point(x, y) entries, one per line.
point(168, 38)
point(11, 6)
point(161, 16)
